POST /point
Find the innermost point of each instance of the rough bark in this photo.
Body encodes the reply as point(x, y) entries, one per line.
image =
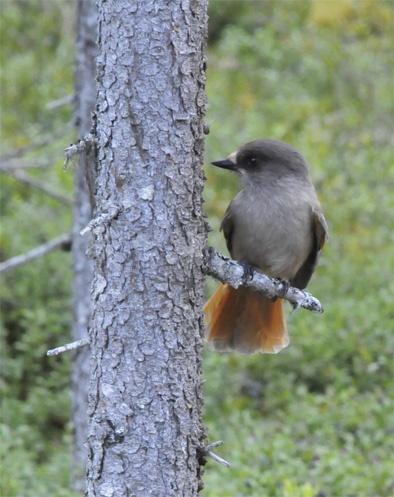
point(86, 50)
point(146, 336)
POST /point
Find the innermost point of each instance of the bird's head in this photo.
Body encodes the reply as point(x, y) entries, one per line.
point(262, 157)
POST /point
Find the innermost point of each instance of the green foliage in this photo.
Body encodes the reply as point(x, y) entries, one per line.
point(315, 420)
point(36, 59)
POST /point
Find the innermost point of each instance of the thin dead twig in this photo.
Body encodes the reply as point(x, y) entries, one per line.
point(34, 183)
point(35, 253)
point(60, 102)
point(11, 165)
point(18, 152)
point(79, 147)
point(207, 452)
point(69, 346)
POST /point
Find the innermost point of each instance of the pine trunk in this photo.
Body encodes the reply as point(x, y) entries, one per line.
point(146, 337)
point(85, 89)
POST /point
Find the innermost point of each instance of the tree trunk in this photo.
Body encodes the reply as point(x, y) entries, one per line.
point(146, 336)
point(85, 88)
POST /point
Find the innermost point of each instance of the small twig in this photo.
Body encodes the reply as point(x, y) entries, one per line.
point(18, 152)
point(218, 459)
point(79, 147)
point(229, 271)
point(32, 182)
point(35, 253)
point(12, 165)
point(101, 219)
point(206, 451)
point(213, 445)
point(69, 346)
point(60, 102)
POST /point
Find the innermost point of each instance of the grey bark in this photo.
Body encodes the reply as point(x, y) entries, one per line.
point(86, 50)
point(145, 399)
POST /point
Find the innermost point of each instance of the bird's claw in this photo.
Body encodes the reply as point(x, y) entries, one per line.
point(284, 287)
point(296, 306)
point(248, 272)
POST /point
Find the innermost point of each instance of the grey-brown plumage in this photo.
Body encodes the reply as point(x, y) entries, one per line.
point(274, 223)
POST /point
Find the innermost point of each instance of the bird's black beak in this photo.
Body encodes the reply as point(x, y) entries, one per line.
point(225, 164)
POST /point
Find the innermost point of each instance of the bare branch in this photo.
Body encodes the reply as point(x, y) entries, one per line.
point(213, 445)
point(60, 102)
point(13, 165)
point(77, 148)
point(35, 253)
point(101, 219)
point(69, 346)
point(207, 452)
point(39, 143)
point(229, 271)
point(217, 458)
point(18, 152)
point(34, 183)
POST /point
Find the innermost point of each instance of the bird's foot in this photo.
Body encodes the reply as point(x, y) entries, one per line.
point(248, 272)
point(296, 306)
point(284, 287)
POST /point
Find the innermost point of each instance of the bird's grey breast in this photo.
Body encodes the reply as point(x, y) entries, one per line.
point(272, 226)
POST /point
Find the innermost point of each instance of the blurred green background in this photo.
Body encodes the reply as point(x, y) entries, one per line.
point(316, 420)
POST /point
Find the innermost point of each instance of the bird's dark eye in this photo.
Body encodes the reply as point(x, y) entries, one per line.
point(252, 161)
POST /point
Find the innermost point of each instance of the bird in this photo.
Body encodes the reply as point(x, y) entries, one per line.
point(274, 224)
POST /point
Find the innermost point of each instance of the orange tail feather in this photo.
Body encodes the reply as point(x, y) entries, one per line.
point(246, 321)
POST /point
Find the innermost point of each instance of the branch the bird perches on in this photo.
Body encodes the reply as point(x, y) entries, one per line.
point(233, 273)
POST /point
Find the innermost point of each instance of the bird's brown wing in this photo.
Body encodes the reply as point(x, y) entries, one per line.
point(320, 231)
point(227, 226)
